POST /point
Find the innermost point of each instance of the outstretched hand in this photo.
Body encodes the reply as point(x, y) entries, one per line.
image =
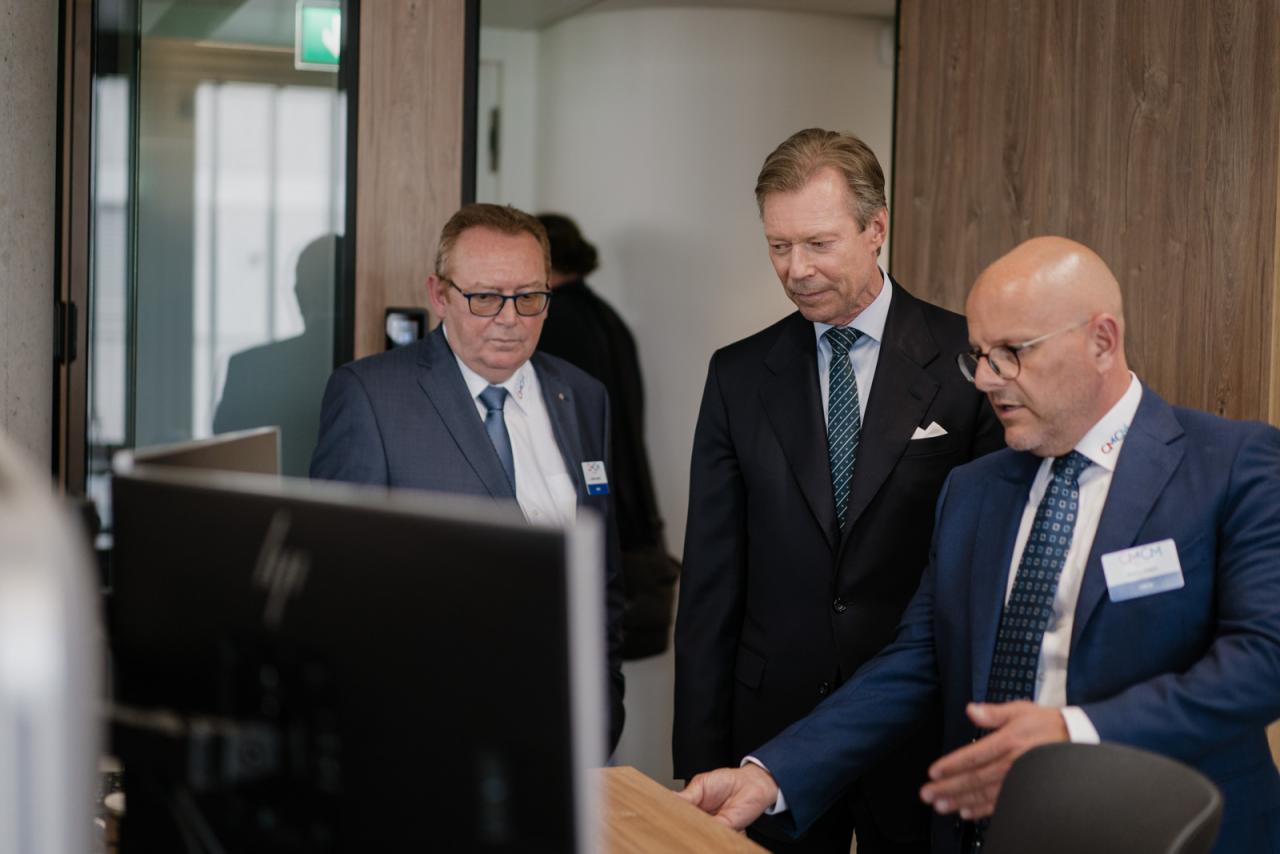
point(968, 780)
point(735, 796)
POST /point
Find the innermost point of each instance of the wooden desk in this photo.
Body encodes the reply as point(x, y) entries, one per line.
point(643, 817)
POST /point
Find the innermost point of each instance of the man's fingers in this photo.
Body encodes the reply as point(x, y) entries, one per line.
point(692, 792)
point(987, 715)
point(981, 752)
point(973, 802)
point(981, 807)
point(977, 778)
point(977, 796)
point(707, 791)
point(968, 780)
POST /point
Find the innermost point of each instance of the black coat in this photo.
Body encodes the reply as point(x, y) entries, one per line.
point(585, 331)
point(778, 604)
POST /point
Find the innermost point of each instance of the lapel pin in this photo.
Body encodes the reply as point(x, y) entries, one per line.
point(562, 395)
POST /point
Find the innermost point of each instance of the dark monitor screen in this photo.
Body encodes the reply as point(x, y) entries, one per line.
point(318, 667)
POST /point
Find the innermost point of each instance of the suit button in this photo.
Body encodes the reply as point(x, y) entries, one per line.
point(839, 606)
point(824, 689)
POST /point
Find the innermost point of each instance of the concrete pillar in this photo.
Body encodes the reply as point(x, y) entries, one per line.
point(28, 127)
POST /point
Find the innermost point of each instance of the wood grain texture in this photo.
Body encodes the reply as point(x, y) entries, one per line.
point(1145, 129)
point(641, 817)
point(409, 160)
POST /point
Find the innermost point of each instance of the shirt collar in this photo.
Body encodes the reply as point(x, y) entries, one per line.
point(1102, 443)
point(519, 385)
point(869, 321)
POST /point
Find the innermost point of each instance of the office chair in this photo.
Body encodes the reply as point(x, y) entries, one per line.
point(1073, 798)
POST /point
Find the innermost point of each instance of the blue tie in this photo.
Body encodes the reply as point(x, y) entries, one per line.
point(844, 416)
point(1027, 613)
point(494, 398)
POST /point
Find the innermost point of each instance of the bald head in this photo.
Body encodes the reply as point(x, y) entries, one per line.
point(1054, 277)
point(1060, 296)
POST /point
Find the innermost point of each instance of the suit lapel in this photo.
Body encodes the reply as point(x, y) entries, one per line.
point(900, 397)
point(558, 398)
point(998, 522)
point(1148, 458)
point(792, 403)
point(439, 377)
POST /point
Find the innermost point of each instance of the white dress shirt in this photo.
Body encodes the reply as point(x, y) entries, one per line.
point(865, 352)
point(545, 490)
point(1102, 446)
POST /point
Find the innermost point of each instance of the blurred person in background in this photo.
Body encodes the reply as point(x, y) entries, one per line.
point(585, 331)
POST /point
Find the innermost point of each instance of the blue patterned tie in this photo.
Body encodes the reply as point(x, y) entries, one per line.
point(844, 416)
point(494, 398)
point(1027, 613)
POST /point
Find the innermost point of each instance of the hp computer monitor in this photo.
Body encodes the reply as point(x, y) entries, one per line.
point(319, 667)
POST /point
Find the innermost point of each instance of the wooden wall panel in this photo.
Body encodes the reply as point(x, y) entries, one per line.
point(1147, 129)
point(409, 160)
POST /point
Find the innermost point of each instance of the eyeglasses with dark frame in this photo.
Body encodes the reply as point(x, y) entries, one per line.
point(1003, 358)
point(490, 304)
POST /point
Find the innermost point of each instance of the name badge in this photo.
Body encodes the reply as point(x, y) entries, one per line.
point(597, 480)
point(1142, 570)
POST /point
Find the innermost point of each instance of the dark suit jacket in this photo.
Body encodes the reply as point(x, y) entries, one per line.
point(405, 419)
point(584, 330)
point(778, 605)
point(279, 384)
point(1192, 673)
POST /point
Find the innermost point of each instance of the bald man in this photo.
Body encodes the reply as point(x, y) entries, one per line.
point(1140, 542)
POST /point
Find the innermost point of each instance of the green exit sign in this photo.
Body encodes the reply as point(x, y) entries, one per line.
point(317, 39)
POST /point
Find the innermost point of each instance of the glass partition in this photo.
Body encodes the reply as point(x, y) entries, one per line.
point(219, 208)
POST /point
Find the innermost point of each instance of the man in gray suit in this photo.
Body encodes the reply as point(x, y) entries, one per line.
point(473, 409)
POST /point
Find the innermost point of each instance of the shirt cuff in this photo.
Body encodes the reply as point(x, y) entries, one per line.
point(780, 805)
point(1079, 728)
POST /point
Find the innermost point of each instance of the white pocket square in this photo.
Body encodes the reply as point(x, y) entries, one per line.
point(933, 431)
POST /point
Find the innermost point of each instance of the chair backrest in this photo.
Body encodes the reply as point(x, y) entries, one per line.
point(1061, 798)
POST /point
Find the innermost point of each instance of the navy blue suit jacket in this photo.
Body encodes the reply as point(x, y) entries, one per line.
point(1192, 673)
point(405, 419)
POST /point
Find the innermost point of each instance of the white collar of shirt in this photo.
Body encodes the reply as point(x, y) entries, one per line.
point(869, 321)
point(1102, 443)
point(520, 385)
point(544, 489)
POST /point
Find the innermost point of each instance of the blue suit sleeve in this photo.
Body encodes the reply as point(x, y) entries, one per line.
point(1234, 687)
point(350, 446)
point(815, 759)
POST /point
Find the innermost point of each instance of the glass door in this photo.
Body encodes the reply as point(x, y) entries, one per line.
point(219, 207)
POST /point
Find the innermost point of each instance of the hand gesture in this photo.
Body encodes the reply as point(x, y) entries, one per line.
point(735, 796)
point(968, 780)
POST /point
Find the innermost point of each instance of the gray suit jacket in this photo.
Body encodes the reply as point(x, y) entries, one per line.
point(405, 419)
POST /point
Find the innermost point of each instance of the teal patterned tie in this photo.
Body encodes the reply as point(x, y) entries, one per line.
point(1030, 607)
point(844, 416)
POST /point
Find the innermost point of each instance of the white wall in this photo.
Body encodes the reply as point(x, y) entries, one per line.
point(651, 125)
point(511, 57)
